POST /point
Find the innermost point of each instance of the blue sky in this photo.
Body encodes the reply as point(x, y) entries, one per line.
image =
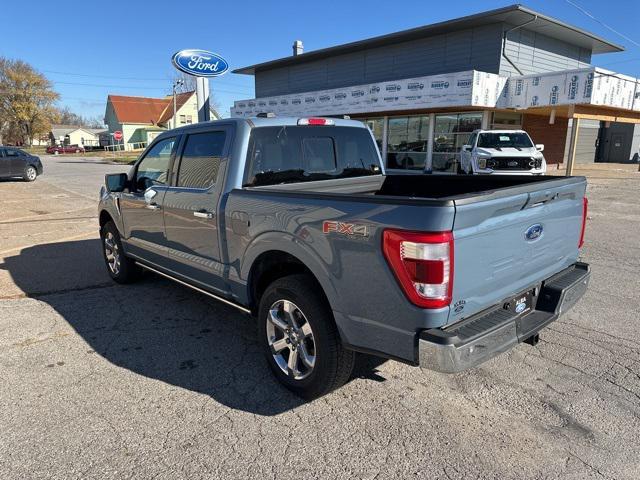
point(91, 49)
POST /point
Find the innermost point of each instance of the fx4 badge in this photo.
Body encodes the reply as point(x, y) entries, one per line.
point(345, 228)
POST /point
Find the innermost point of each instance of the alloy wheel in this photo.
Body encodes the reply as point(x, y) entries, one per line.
point(112, 253)
point(291, 339)
point(31, 173)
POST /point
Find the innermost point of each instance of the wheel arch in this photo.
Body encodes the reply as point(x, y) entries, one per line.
point(272, 265)
point(104, 218)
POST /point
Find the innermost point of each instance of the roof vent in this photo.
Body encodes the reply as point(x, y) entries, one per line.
point(297, 48)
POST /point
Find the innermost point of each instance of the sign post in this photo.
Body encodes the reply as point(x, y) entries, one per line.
point(202, 94)
point(201, 64)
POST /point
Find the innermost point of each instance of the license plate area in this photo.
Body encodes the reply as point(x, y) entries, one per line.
point(520, 304)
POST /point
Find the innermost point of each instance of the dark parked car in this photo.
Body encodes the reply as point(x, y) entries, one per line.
point(65, 149)
point(18, 163)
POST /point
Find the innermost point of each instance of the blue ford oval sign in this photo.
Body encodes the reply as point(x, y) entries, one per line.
point(533, 232)
point(200, 63)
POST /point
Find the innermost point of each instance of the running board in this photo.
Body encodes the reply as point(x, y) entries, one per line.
point(197, 289)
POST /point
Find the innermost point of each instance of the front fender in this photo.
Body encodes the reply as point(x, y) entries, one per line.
point(109, 204)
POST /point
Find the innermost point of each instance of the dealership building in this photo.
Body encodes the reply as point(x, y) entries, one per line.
point(423, 91)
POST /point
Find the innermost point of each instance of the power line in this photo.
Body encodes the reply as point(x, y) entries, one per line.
point(622, 61)
point(137, 87)
point(588, 14)
point(56, 72)
point(133, 87)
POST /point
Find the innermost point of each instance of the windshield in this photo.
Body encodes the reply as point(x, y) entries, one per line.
point(289, 154)
point(504, 140)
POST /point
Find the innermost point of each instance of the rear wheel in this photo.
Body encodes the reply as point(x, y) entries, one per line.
point(120, 268)
point(30, 174)
point(300, 340)
point(77, 151)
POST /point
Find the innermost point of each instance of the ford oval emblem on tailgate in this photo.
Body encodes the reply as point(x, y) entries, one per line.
point(533, 232)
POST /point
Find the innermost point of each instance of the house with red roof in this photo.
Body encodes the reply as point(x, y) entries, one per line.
point(141, 119)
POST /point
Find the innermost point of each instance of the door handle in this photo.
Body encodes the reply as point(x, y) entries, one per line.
point(203, 214)
point(153, 206)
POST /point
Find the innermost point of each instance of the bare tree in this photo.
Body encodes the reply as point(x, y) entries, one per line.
point(26, 101)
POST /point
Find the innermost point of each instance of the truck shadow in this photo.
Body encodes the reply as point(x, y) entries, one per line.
point(156, 328)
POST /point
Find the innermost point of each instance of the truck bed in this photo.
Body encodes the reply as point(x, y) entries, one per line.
point(433, 189)
point(489, 218)
point(457, 186)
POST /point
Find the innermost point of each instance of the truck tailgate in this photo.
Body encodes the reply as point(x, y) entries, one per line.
point(513, 239)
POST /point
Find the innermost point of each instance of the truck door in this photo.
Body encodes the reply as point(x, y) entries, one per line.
point(191, 206)
point(141, 208)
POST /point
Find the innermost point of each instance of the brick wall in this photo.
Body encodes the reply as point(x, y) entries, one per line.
point(554, 137)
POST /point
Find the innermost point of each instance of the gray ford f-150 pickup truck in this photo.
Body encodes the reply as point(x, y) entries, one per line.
point(294, 221)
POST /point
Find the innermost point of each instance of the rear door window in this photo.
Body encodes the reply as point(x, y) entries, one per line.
point(289, 154)
point(201, 159)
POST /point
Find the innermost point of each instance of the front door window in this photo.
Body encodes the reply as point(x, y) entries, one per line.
point(154, 167)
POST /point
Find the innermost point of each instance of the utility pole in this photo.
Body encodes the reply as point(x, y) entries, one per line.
point(178, 82)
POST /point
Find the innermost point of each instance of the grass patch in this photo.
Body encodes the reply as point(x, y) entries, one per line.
point(124, 159)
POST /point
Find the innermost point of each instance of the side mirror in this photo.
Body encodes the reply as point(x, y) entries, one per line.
point(116, 182)
point(466, 148)
point(540, 147)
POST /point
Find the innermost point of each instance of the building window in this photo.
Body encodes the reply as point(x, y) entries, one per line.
point(407, 142)
point(506, 121)
point(189, 119)
point(452, 131)
point(376, 125)
point(183, 119)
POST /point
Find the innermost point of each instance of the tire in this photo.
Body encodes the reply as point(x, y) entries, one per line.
point(120, 268)
point(77, 151)
point(315, 336)
point(30, 174)
point(56, 152)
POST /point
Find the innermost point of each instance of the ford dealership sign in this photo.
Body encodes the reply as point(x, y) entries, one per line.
point(200, 63)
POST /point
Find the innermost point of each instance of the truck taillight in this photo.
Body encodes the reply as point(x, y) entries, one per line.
point(585, 205)
point(423, 264)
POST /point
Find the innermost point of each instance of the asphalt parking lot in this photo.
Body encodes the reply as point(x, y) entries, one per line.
point(153, 380)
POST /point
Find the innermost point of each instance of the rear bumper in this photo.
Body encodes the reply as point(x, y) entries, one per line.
point(535, 171)
point(486, 334)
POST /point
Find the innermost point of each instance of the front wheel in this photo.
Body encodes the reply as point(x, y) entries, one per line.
point(30, 174)
point(300, 340)
point(121, 268)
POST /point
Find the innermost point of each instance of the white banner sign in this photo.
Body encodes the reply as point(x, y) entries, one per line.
point(592, 86)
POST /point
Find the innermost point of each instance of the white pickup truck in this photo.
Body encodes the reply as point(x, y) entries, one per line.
point(504, 152)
